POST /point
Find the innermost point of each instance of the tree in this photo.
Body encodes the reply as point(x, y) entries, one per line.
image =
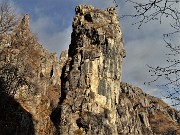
point(8, 18)
point(153, 10)
point(150, 10)
point(14, 69)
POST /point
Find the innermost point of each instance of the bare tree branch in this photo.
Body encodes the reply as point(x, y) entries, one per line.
point(147, 11)
point(162, 10)
point(8, 18)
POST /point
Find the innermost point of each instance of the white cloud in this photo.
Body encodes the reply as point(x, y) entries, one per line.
point(59, 41)
point(144, 46)
point(171, 102)
point(41, 24)
point(54, 42)
point(141, 52)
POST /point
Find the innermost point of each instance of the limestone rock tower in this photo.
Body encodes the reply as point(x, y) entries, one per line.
point(92, 75)
point(82, 93)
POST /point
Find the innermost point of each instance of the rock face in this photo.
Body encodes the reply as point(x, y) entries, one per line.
point(29, 77)
point(92, 74)
point(82, 93)
point(140, 113)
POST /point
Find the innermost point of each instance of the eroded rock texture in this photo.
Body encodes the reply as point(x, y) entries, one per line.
point(142, 114)
point(92, 74)
point(93, 101)
point(81, 93)
point(30, 79)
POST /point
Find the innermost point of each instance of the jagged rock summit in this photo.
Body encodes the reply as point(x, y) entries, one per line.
point(80, 94)
point(92, 74)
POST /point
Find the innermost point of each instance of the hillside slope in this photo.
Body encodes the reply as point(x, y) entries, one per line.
point(81, 93)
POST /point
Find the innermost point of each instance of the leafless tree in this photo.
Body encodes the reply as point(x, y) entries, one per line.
point(8, 18)
point(169, 74)
point(146, 11)
point(162, 10)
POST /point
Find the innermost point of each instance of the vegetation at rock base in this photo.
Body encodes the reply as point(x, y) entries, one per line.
point(80, 94)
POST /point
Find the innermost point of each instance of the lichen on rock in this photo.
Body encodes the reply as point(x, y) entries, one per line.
point(81, 93)
point(92, 75)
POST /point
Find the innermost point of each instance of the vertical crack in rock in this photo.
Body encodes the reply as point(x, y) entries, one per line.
point(29, 82)
point(82, 93)
point(92, 75)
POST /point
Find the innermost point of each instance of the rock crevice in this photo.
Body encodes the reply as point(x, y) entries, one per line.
point(81, 93)
point(92, 74)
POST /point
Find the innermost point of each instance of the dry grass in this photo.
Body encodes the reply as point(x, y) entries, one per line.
point(78, 132)
point(160, 123)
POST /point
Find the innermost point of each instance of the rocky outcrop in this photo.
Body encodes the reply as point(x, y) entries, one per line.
point(81, 93)
point(140, 113)
point(30, 75)
point(93, 99)
point(92, 74)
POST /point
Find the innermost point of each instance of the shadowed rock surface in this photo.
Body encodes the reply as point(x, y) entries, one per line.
point(81, 93)
point(14, 119)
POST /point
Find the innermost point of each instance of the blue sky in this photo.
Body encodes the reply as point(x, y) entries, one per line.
point(51, 20)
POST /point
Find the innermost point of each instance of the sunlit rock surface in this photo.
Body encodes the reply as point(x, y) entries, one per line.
point(81, 93)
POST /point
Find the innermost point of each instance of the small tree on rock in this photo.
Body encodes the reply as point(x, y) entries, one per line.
point(8, 18)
